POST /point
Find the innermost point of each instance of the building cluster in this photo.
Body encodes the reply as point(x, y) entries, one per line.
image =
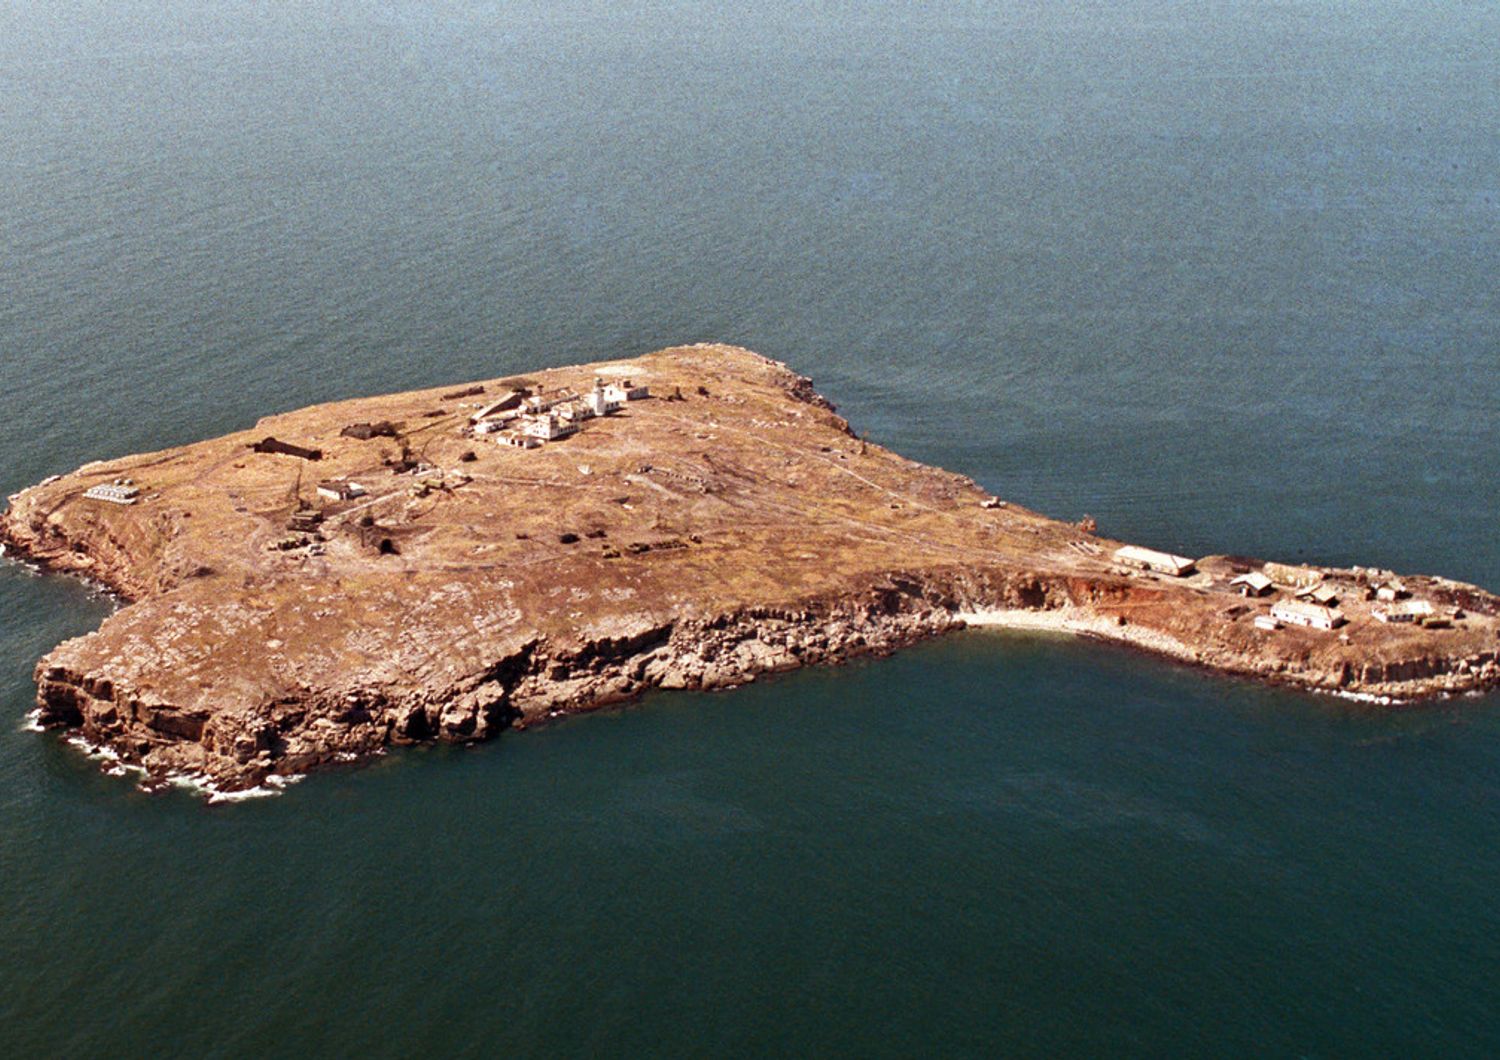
point(1314, 600)
point(1308, 599)
point(526, 421)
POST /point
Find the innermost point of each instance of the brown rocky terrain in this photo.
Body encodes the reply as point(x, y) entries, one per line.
point(727, 526)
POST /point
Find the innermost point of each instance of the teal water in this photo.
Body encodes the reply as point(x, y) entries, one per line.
point(1219, 274)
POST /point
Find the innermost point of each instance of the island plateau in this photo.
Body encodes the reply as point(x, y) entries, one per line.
point(444, 564)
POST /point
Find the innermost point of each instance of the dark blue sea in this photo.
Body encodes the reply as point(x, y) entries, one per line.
point(1222, 275)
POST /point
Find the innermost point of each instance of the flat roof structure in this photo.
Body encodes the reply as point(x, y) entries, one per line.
point(114, 492)
point(1151, 559)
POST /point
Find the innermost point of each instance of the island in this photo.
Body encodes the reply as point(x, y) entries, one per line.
point(445, 564)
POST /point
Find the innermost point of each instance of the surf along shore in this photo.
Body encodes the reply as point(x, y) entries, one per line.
point(441, 565)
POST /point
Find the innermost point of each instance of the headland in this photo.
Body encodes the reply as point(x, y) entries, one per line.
point(441, 565)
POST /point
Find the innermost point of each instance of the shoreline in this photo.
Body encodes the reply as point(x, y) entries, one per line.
point(1079, 624)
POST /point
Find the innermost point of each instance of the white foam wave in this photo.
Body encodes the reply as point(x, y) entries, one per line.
point(197, 783)
point(1364, 697)
point(243, 795)
point(202, 784)
point(114, 766)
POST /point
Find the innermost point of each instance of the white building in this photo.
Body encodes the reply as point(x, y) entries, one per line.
point(549, 428)
point(577, 411)
point(599, 402)
point(113, 492)
point(1150, 559)
point(518, 440)
point(340, 491)
point(1301, 613)
point(623, 390)
point(1266, 622)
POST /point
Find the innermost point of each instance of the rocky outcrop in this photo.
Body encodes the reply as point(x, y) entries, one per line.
point(536, 682)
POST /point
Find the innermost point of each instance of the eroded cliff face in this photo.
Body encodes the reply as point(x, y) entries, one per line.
point(235, 750)
point(729, 526)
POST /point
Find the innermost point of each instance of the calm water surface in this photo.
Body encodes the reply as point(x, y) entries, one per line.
point(1221, 275)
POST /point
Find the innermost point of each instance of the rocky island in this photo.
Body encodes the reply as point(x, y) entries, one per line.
point(446, 564)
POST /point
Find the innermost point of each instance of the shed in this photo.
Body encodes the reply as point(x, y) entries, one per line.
point(1404, 611)
point(1150, 559)
point(340, 491)
point(1322, 593)
point(1253, 584)
point(305, 520)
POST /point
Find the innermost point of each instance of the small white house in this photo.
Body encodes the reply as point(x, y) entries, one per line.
point(518, 440)
point(1301, 613)
point(1266, 622)
point(1253, 584)
point(1150, 559)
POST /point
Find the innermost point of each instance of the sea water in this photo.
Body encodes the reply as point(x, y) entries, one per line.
point(1220, 275)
